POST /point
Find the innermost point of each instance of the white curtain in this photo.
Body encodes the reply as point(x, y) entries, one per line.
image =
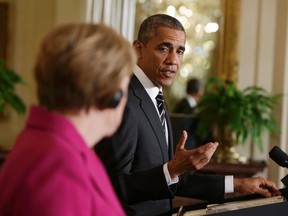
point(119, 14)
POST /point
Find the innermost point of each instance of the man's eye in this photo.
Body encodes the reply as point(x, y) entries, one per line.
point(164, 49)
point(180, 52)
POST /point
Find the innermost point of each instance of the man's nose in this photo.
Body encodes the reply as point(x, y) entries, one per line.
point(173, 58)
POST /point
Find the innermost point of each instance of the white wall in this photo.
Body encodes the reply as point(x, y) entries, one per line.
point(263, 62)
point(31, 19)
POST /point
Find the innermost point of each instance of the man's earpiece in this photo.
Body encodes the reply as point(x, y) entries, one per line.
point(116, 99)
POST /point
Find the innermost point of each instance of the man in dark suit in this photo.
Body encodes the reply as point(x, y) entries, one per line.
point(194, 90)
point(188, 119)
point(139, 157)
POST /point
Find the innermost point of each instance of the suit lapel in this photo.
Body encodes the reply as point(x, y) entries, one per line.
point(170, 133)
point(151, 114)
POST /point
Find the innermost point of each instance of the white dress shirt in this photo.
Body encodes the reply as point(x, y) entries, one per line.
point(191, 101)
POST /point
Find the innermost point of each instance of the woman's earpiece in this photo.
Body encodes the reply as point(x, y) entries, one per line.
point(116, 99)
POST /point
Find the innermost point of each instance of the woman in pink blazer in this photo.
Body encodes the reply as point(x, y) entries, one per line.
point(82, 74)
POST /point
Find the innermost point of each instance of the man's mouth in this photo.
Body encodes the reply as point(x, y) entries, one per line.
point(169, 71)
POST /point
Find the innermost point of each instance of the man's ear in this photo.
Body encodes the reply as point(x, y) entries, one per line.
point(138, 48)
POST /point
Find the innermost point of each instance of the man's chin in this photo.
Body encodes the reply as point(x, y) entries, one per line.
point(167, 83)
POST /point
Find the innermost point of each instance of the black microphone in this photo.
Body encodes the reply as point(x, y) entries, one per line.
point(280, 157)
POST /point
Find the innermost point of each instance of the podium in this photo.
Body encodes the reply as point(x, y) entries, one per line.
point(277, 209)
point(247, 205)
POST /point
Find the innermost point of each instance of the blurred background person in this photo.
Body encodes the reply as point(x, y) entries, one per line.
point(52, 169)
point(194, 90)
point(184, 116)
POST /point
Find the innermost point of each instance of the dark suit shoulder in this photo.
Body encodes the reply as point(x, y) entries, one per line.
point(183, 107)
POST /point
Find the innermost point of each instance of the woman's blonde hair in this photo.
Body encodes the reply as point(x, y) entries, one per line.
point(80, 66)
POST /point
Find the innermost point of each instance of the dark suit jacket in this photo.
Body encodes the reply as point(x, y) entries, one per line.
point(183, 106)
point(135, 155)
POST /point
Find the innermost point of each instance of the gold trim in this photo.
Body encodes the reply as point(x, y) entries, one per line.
point(228, 49)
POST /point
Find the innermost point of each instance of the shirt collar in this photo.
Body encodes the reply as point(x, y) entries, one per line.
point(191, 100)
point(149, 86)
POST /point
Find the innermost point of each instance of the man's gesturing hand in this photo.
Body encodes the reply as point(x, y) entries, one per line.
point(190, 160)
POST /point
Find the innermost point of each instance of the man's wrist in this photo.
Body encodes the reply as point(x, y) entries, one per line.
point(168, 178)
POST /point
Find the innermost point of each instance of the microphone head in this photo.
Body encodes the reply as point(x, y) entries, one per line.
point(280, 157)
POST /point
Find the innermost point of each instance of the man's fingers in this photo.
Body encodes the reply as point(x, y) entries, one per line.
point(201, 156)
point(208, 149)
point(213, 149)
point(263, 192)
point(182, 141)
point(271, 187)
point(211, 145)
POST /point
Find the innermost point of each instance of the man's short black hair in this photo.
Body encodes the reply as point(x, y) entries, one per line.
point(193, 86)
point(150, 25)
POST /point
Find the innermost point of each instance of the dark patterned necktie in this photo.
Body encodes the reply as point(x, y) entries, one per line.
point(160, 106)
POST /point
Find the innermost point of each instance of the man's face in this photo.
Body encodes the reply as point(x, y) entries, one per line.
point(161, 56)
